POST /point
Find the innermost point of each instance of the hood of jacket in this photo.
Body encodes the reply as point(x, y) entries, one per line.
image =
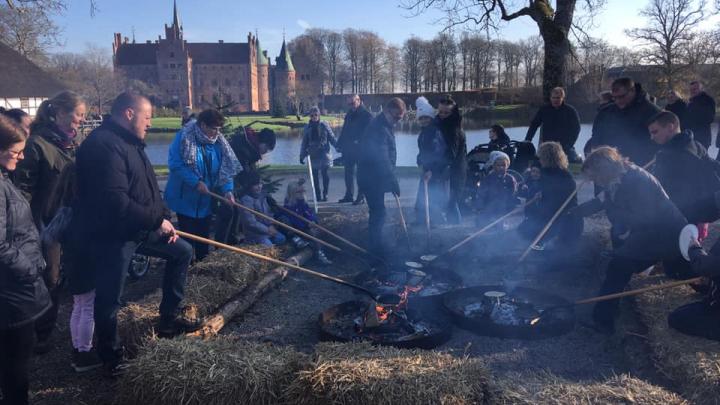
point(686, 141)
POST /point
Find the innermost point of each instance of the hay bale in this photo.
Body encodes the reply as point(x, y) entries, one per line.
point(530, 388)
point(690, 362)
point(358, 373)
point(219, 371)
point(137, 320)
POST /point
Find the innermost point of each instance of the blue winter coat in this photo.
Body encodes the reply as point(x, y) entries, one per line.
point(181, 194)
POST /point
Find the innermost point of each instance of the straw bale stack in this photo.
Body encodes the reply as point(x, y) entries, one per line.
point(690, 362)
point(186, 371)
point(358, 373)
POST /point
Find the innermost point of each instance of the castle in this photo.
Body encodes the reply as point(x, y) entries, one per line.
point(203, 75)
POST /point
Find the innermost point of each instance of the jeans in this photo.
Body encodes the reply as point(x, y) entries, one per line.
point(325, 181)
point(278, 239)
point(376, 220)
point(112, 259)
point(16, 346)
point(199, 227)
point(350, 166)
point(227, 224)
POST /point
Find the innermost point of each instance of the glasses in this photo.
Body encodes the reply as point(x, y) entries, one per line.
point(16, 153)
point(214, 130)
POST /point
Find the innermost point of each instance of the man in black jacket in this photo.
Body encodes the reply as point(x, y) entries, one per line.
point(356, 120)
point(700, 114)
point(623, 124)
point(560, 123)
point(119, 211)
point(376, 168)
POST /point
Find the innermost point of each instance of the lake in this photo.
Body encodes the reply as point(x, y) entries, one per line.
point(288, 145)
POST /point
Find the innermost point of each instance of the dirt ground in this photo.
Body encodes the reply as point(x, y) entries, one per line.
point(288, 315)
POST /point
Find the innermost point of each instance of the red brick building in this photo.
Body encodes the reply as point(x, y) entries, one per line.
point(201, 75)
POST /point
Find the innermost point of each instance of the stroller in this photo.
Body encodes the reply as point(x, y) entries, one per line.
point(521, 154)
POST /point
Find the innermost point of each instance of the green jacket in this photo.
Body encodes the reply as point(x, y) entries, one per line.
point(38, 173)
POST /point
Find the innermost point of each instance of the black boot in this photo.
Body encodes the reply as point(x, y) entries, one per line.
point(347, 199)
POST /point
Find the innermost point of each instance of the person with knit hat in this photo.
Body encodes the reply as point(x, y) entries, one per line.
point(496, 195)
point(433, 160)
point(316, 141)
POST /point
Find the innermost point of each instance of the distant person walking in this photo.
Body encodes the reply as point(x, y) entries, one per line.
point(356, 120)
point(560, 123)
point(700, 114)
point(678, 106)
point(316, 141)
point(449, 120)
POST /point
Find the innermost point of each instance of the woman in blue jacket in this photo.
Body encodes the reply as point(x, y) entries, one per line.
point(200, 161)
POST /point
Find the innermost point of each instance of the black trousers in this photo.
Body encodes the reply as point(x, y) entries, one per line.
point(350, 167)
point(325, 181)
point(227, 224)
point(199, 227)
point(111, 259)
point(45, 325)
point(16, 347)
point(376, 220)
point(619, 272)
point(696, 319)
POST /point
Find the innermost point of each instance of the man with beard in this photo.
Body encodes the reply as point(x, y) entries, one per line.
point(449, 121)
point(356, 120)
point(624, 124)
point(376, 168)
point(700, 114)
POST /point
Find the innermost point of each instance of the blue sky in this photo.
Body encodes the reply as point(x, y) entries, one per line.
point(231, 20)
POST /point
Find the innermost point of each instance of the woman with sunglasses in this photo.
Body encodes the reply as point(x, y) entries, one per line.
point(200, 161)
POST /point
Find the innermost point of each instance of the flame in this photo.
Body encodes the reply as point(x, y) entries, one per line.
point(382, 313)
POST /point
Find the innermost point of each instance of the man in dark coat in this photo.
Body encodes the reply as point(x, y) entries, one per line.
point(249, 147)
point(634, 199)
point(449, 121)
point(700, 114)
point(119, 207)
point(560, 123)
point(356, 120)
point(376, 168)
point(623, 124)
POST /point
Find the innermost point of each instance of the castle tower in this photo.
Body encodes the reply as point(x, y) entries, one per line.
point(174, 64)
point(263, 78)
point(284, 74)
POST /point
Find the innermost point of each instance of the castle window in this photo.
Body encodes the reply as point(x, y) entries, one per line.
point(172, 66)
point(173, 77)
point(242, 97)
point(172, 54)
point(227, 82)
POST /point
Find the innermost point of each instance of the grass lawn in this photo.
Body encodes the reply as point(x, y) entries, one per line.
point(276, 124)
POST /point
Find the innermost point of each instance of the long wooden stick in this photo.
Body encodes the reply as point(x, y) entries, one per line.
point(638, 291)
point(274, 221)
point(312, 182)
point(490, 225)
point(551, 221)
point(402, 220)
point(275, 261)
point(329, 232)
point(427, 211)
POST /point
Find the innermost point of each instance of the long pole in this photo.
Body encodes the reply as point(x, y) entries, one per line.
point(427, 211)
point(402, 219)
point(273, 260)
point(312, 183)
point(274, 221)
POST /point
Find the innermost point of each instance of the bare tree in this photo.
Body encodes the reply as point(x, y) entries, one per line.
point(412, 55)
point(554, 25)
point(31, 32)
point(531, 54)
point(670, 27)
point(351, 40)
point(393, 63)
point(333, 49)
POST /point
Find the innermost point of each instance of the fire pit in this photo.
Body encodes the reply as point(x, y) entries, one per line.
point(509, 313)
point(387, 325)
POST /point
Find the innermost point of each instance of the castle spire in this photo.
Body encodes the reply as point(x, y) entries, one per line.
point(284, 61)
point(176, 18)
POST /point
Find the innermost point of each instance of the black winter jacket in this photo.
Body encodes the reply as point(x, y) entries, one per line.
point(456, 142)
point(353, 128)
point(560, 124)
point(700, 114)
point(555, 185)
point(247, 155)
point(679, 108)
point(23, 295)
point(118, 194)
point(378, 155)
point(639, 203)
point(685, 171)
point(627, 128)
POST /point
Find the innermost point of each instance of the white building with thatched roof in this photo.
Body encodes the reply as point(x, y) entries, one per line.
point(24, 85)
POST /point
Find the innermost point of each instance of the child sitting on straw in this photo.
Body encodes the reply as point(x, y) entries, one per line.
point(80, 279)
point(257, 230)
point(295, 201)
point(496, 195)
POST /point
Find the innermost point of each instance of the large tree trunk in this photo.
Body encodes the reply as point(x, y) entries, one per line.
point(557, 49)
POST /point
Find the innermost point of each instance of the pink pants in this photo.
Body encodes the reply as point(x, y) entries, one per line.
point(82, 321)
point(703, 230)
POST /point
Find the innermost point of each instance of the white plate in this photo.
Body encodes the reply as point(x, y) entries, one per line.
point(494, 294)
point(687, 235)
point(414, 265)
point(428, 258)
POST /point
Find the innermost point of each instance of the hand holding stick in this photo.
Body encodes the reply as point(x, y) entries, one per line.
point(402, 219)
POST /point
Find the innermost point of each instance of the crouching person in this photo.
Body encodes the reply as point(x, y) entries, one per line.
point(295, 202)
point(119, 211)
point(258, 230)
point(496, 195)
point(635, 199)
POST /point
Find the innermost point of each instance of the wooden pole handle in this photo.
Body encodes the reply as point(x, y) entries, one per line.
point(272, 260)
point(427, 209)
point(274, 221)
point(638, 291)
point(402, 219)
